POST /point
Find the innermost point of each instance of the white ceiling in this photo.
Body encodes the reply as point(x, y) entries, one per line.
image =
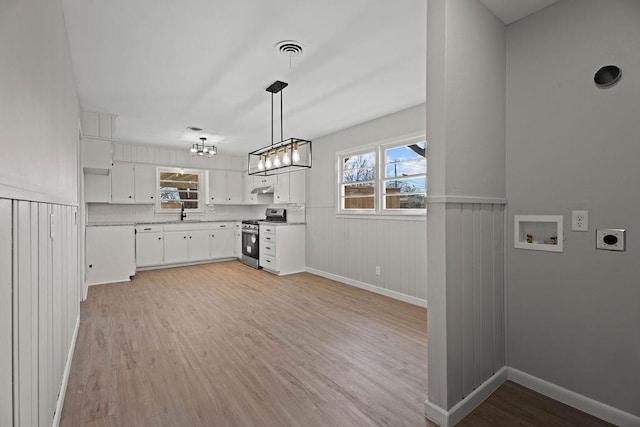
point(163, 65)
point(510, 11)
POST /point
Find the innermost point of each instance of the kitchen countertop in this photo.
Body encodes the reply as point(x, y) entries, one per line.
point(193, 221)
point(281, 223)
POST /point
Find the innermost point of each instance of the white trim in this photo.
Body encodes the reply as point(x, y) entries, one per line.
point(466, 199)
point(407, 217)
point(65, 376)
point(463, 408)
point(571, 398)
point(375, 289)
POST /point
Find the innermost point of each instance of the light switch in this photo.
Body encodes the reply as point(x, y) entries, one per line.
point(611, 239)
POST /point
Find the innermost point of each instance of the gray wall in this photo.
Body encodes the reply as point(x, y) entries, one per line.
point(39, 292)
point(573, 317)
point(352, 247)
point(466, 63)
point(39, 104)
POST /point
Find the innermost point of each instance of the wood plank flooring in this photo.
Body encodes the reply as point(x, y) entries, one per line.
point(225, 345)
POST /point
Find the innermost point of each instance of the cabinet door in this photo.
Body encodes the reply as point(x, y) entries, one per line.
point(96, 188)
point(217, 187)
point(281, 190)
point(145, 183)
point(237, 243)
point(96, 155)
point(110, 254)
point(122, 178)
point(176, 247)
point(222, 245)
point(297, 187)
point(198, 245)
point(234, 187)
point(149, 249)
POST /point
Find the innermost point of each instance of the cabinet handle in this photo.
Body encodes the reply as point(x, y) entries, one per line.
point(189, 236)
point(268, 247)
point(152, 197)
point(184, 237)
point(159, 238)
point(269, 261)
point(213, 235)
point(148, 229)
point(223, 226)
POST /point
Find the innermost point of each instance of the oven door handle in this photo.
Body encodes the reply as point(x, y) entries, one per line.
point(250, 231)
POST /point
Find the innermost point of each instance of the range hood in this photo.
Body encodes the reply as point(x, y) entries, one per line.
point(263, 190)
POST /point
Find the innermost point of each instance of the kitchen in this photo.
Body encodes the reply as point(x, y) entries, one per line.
point(542, 320)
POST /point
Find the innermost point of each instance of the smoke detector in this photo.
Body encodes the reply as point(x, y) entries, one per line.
point(289, 48)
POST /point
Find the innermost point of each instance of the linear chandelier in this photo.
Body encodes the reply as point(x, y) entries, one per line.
point(280, 157)
point(203, 149)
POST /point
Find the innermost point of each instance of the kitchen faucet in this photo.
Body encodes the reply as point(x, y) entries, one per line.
point(183, 214)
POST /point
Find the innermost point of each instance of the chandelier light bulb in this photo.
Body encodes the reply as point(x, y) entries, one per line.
point(286, 160)
point(267, 163)
point(276, 160)
point(295, 156)
point(260, 163)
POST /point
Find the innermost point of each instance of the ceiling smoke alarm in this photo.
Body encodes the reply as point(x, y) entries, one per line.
point(289, 48)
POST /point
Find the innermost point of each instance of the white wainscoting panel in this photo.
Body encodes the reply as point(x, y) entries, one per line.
point(352, 248)
point(45, 307)
point(6, 314)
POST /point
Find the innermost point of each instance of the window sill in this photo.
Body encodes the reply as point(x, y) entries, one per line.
point(397, 217)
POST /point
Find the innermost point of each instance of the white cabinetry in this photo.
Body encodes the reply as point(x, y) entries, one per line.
point(225, 187)
point(282, 248)
point(176, 247)
point(144, 183)
point(98, 125)
point(149, 245)
point(222, 240)
point(237, 243)
point(265, 181)
point(198, 245)
point(290, 188)
point(110, 254)
point(97, 188)
point(122, 183)
point(96, 156)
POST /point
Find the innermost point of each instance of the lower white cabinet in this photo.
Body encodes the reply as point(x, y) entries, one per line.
point(282, 248)
point(149, 245)
point(222, 241)
point(110, 254)
point(170, 244)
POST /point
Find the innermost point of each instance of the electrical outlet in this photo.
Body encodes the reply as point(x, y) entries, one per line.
point(580, 220)
point(377, 270)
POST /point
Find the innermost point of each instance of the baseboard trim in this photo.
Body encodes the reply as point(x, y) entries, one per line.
point(463, 408)
point(375, 289)
point(65, 376)
point(571, 398)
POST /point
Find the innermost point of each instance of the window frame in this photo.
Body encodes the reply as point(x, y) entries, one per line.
point(379, 148)
point(202, 197)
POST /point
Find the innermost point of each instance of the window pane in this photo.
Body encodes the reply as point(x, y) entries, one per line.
point(358, 190)
point(411, 185)
point(359, 168)
point(405, 201)
point(178, 189)
point(404, 168)
point(358, 203)
point(406, 152)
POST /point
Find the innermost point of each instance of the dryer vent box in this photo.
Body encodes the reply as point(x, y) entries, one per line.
point(611, 239)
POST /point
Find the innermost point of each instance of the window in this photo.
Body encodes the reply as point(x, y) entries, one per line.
point(358, 181)
point(405, 176)
point(386, 178)
point(178, 188)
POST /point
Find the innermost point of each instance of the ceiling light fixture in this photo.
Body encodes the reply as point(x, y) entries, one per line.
point(296, 152)
point(203, 149)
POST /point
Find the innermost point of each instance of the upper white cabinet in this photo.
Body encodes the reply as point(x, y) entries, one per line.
point(265, 181)
point(122, 183)
point(290, 188)
point(97, 188)
point(96, 156)
point(144, 183)
point(225, 187)
point(98, 125)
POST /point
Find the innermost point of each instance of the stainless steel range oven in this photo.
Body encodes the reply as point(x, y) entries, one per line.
point(251, 236)
point(251, 243)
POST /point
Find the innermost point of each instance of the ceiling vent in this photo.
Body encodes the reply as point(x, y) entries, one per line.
point(289, 48)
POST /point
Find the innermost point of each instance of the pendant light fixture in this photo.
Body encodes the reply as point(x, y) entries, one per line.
point(203, 149)
point(280, 157)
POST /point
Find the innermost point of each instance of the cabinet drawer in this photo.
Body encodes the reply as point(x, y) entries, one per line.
point(268, 229)
point(267, 238)
point(269, 262)
point(268, 248)
point(221, 225)
point(150, 228)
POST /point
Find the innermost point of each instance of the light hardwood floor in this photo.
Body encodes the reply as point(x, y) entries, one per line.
point(223, 344)
point(226, 345)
